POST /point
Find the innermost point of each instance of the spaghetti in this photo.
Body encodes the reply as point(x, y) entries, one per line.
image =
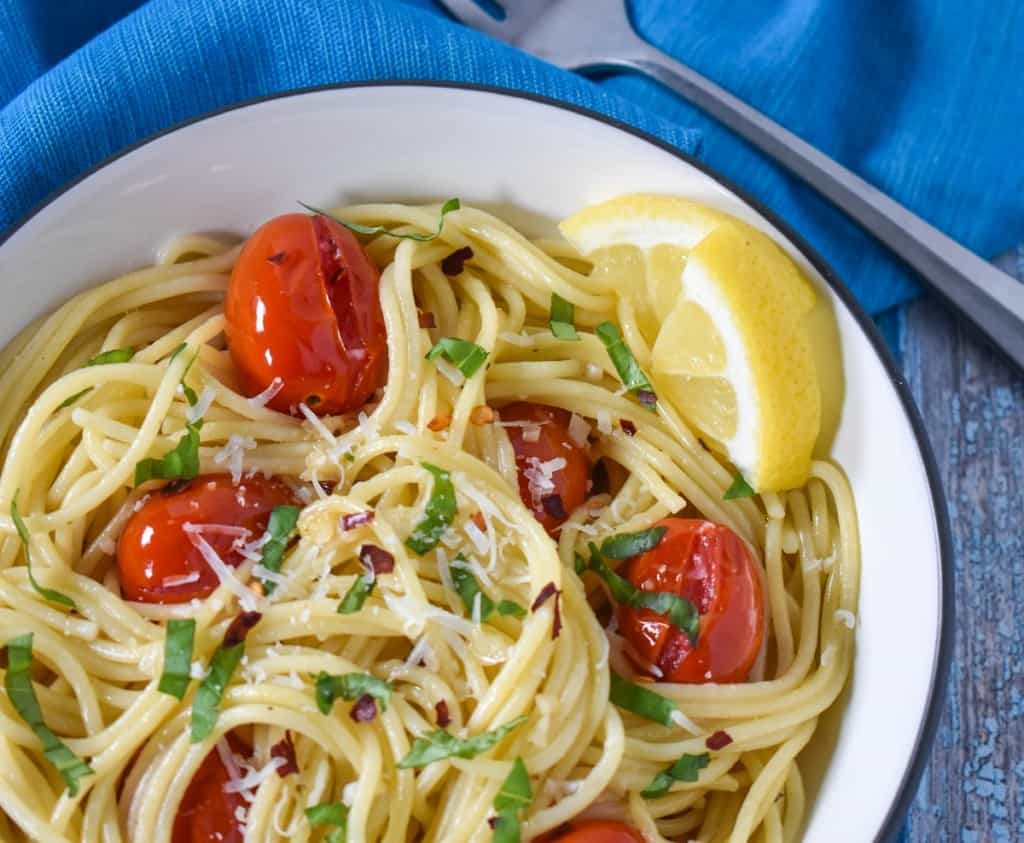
point(454, 687)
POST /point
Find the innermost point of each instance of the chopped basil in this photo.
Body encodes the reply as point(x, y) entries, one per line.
point(686, 769)
point(47, 593)
point(629, 370)
point(438, 515)
point(330, 813)
point(562, 320)
point(515, 795)
point(439, 744)
point(21, 693)
point(206, 705)
point(677, 610)
point(280, 526)
point(178, 643)
point(625, 545)
point(114, 355)
point(468, 588)
point(350, 687)
point(446, 208)
point(579, 564)
point(641, 701)
point(466, 356)
point(740, 488)
point(356, 596)
point(180, 463)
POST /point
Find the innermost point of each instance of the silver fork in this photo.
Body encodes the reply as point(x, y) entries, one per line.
point(597, 34)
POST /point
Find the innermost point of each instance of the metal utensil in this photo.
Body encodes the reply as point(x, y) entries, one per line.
point(595, 34)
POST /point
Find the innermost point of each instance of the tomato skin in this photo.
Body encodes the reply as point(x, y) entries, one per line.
point(154, 545)
point(596, 831)
point(206, 812)
point(709, 564)
point(303, 305)
point(571, 482)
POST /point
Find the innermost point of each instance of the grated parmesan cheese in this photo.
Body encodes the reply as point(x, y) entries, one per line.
point(403, 426)
point(253, 779)
point(246, 598)
point(348, 793)
point(579, 430)
point(180, 579)
point(684, 722)
point(604, 421)
point(233, 454)
point(260, 401)
point(478, 537)
point(539, 476)
point(449, 371)
point(203, 402)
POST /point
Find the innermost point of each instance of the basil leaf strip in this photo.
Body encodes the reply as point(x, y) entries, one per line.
point(356, 595)
point(280, 526)
point(446, 208)
point(180, 463)
point(21, 693)
point(740, 488)
point(677, 610)
point(510, 607)
point(330, 813)
point(562, 322)
point(438, 514)
point(206, 705)
point(178, 643)
point(466, 356)
point(625, 545)
point(468, 588)
point(640, 701)
point(622, 358)
point(50, 594)
point(350, 687)
point(515, 795)
point(114, 355)
point(686, 769)
point(441, 744)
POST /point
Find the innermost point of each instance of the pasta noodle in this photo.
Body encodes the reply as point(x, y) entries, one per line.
point(97, 668)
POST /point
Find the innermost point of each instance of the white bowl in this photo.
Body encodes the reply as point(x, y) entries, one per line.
point(538, 161)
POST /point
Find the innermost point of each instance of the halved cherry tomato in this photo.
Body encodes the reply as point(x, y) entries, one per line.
point(595, 831)
point(553, 501)
point(303, 305)
point(206, 812)
point(154, 546)
point(709, 564)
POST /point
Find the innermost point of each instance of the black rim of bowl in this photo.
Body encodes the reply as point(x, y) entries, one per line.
point(940, 675)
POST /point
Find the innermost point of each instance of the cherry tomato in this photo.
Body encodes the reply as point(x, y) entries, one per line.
point(154, 545)
point(709, 564)
point(303, 305)
point(596, 831)
point(553, 501)
point(206, 812)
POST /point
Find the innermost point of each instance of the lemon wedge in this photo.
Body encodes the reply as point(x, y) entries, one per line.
point(725, 311)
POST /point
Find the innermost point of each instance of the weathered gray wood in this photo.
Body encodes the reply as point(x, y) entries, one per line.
point(973, 406)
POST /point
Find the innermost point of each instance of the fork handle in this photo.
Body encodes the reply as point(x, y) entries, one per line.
point(988, 297)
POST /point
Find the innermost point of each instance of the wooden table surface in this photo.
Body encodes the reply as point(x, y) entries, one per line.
point(972, 402)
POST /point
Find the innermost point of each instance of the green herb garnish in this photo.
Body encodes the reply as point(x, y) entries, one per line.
point(562, 321)
point(641, 701)
point(740, 488)
point(206, 705)
point(515, 795)
point(466, 356)
point(468, 588)
point(178, 643)
point(47, 593)
point(446, 208)
point(114, 355)
point(330, 813)
point(280, 528)
point(350, 687)
point(629, 370)
point(440, 744)
point(356, 595)
point(180, 463)
point(21, 693)
point(686, 769)
point(625, 545)
point(438, 514)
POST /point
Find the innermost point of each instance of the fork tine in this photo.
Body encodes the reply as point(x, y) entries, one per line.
point(469, 13)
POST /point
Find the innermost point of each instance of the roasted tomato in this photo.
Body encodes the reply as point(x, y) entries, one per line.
point(206, 812)
point(709, 564)
point(552, 493)
point(595, 831)
point(303, 306)
point(160, 561)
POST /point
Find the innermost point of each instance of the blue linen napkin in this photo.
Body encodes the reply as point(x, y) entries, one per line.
point(921, 96)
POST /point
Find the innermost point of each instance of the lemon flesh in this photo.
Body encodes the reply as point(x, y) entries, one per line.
point(725, 310)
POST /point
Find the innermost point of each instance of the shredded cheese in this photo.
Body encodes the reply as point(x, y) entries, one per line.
point(233, 454)
point(260, 401)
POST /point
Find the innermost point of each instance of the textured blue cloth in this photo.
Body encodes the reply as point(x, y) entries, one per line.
point(924, 97)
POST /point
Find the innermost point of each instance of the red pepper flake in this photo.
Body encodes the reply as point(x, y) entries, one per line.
point(482, 415)
point(478, 519)
point(376, 559)
point(554, 507)
point(285, 749)
point(326, 486)
point(239, 628)
point(364, 710)
point(443, 717)
point(455, 262)
point(492, 822)
point(276, 258)
point(556, 623)
point(627, 427)
point(427, 319)
point(543, 596)
point(646, 397)
point(439, 422)
point(719, 740)
point(357, 519)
